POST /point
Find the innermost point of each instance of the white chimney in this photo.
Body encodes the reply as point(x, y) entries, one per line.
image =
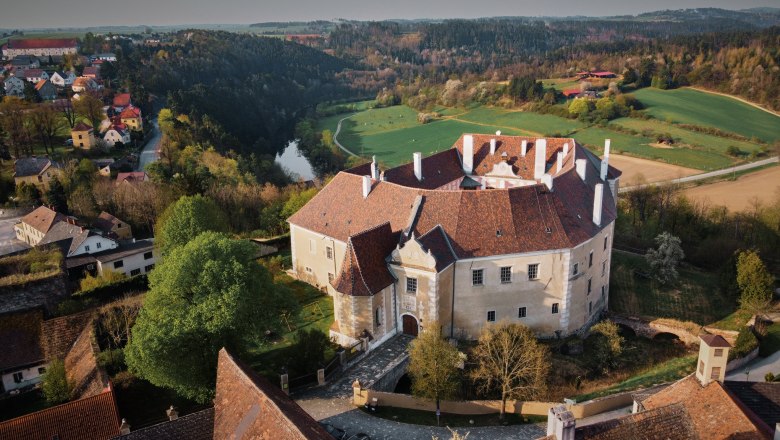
point(561, 423)
point(548, 181)
point(540, 162)
point(374, 169)
point(565, 148)
point(124, 428)
point(581, 165)
point(777, 432)
point(560, 162)
point(418, 165)
point(468, 154)
point(598, 201)
point(604, 169)
point(606, 148)
point(492, 147)
point(525, 148)
point(366, 186)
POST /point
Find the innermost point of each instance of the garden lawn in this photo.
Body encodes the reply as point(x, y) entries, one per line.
point(695, 297)
point(688, 137)
point(537, 123)
point(666, 372)
point(639, 146)
point(690, 106)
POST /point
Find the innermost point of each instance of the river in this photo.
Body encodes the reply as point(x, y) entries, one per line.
point(295, 163)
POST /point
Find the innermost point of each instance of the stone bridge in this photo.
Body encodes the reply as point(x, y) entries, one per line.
point(657, 329)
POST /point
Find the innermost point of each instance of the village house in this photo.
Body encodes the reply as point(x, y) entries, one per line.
point(62, 79)
point(108, 56)
point(115, 134)
point(83, 136)
point(498, 227)
point(113, 227)
point(22, 361)
point(35, 171)
point(40, 47)
point(132, 177)
point(121, 101)
point(91, 72)
point(34, 226)
point(134, 257)
point(23, 62)
point(84, 84)
point(131, 116)
point(14, 86)
point(34, 75)
point(46, 90)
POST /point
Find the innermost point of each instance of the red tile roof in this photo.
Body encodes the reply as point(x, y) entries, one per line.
point(364, 271)
point(121, 100)
point(132, 176)
point(81, 127)
point(43, 218)
point(248, 406)
point(715, 341)
point(42, 43)
point(571, 92)
point(93, 418)
point(20, 339)
point(668, 423)
point(130, 112)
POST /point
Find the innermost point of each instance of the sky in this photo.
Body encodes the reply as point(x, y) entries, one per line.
point(22, 14)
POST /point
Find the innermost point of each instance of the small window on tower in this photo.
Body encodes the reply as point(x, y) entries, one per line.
point(555, 308)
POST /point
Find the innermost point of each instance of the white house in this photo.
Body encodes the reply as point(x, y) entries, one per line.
point(106, 56)
point(116, 134)
point(83, 84)
point(76, 240)
point(35, 75)
point(133, 258)
point(62, 79)
point(14, 86)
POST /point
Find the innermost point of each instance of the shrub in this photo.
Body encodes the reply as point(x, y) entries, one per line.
point(108, 277)
point(55, 386)
point(308, 352)
point(769, 377)
point(745, 343)
point(112, 360)
point(734, 151)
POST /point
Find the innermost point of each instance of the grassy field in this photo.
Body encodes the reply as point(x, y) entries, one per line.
point(541, 124)
point(689, 106)
point(695, 297)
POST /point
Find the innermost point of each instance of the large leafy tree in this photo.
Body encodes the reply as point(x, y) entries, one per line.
point(433, 365)
point(755, 282)
point(664, 259)
point(510, 359)
point(89, 107)
point(205, 295)
point(187, 218)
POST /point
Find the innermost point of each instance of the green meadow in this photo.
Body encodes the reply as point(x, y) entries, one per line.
point(688, 106)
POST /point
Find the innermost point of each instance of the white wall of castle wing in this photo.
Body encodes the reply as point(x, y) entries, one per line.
point(310, 256)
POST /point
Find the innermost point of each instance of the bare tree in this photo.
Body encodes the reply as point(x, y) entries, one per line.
point(65, 107)
point(13, 120)
point(118, 317)
point(510, 359)
point(45, 124)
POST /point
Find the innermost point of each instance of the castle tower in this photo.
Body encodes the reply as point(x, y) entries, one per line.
point(713, 357)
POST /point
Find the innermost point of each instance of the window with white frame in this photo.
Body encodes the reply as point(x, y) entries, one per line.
point(491, 316)
point(555, 308)
point(506, 275)
point(521, 312)
point(411, 285)
point(533, 271)
point(477, 277)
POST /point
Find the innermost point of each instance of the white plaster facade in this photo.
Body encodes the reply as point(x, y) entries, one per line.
point(14, 379)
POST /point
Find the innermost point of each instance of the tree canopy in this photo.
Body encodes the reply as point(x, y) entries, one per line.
point(187, 218)
point(205, 295)
point(755, 282)
point(433, 365)
point(665, 258)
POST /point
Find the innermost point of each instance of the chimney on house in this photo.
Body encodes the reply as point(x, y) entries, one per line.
point(124, 428)
point(565, 148)
point(366, 186)
point(382, 176)
point(540, 161)
point(524, 148)
point(713, 358)
point(582, 165)
point(561, 423)
point(468, 154)
point(172, 413)
point(374, 169)
point(548, 181)
point(560, 162)
point(492, 147)
point(417, 165)
point(605, 161)
point(598, 202)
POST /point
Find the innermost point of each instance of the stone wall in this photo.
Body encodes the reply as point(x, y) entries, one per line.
point(46, 293)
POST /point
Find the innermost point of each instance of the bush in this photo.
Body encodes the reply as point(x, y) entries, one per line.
point(734, 151)
point(55, 386)
point(309, 350)
point(113, 361)
point(108, 277)
point(769, 377)
point(746, 342)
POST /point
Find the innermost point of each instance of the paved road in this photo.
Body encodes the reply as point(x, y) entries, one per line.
point(702, 176)
point(151, 151)
point(757, 368)
point(338, 130)
point(8, 241)
point(333, 404)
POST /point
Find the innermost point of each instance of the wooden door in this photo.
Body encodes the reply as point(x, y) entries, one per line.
point(410, 325)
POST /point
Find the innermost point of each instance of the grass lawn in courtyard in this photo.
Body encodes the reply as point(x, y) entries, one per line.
point(690, 106)
point(696, 296)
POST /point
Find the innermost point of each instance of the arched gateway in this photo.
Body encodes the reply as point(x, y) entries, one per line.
point(410, 325)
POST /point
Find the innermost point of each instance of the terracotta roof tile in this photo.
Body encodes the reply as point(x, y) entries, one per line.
point(130, 112)
point(715, 341)
point(42, 43)
point(93, 418)
point(762, 398)
point(85, 377)
point(364, 270)
point(248, 406)
point(59, 334)
point(43, 219)
point(196, 426)
point(668, 423)
point(121, 99)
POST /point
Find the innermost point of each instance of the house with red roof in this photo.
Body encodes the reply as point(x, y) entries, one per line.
point(131, 116)
point(452, 238)
point(40, 47)
point(121, 101)
point(34, 75)
point(84, 84)
point(46, 90)
point(83, 136)
point(91, 72)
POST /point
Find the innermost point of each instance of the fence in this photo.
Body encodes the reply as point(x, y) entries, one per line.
point(329, 369)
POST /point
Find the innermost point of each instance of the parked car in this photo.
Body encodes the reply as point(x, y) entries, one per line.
point(69, 141)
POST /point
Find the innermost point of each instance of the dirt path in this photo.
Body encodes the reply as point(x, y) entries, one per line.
point(740, 195)
point(635, 170)
point(752, 104)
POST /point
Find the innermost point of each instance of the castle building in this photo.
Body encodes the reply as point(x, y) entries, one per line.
point(497, 227)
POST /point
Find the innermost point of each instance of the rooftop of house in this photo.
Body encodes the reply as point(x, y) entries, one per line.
point(42, 43)
point(125, 249)
point(196, 426)
point(106, 222)
point(475, 223)
point(91, 70)
point(83, 81)
point(67, 235)
point(246, 402)
point(715, 341)
point(762, 398)
point(81, 127)
point(20, 337)
point(40, 84)
point(32, 73)
point(121, 100)
point(670, 422)
point(363, 271)
point(92, 418)
point(132, 176)
point(130, 112)
point(32, 166)
point(43, 218)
